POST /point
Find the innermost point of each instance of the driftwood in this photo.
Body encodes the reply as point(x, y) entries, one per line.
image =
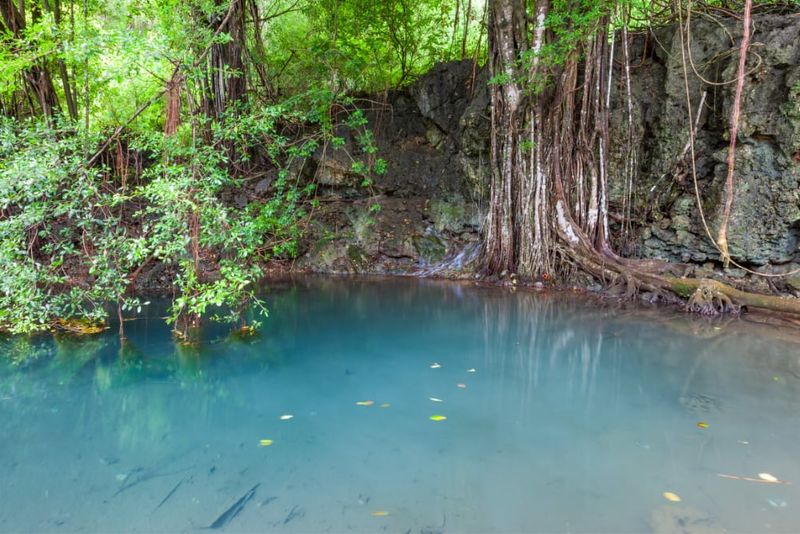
point(228, 515)
point(170, 494)
point(139, 475)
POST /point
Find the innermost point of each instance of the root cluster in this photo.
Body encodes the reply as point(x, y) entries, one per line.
point(708, 300)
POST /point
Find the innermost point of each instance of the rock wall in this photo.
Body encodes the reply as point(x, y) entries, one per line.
point(765, 221)
point(435, 136)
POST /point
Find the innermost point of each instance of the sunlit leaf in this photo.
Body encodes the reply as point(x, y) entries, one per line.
point(365, 403)
point(265, 443)
point(672, 497)
point(438, 418)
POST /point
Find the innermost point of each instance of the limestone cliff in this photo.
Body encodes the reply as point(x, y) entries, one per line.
point(435, 135)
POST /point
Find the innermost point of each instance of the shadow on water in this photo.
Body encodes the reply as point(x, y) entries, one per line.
point(558, 415)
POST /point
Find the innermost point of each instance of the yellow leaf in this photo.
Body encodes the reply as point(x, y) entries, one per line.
point(767, 477)
point(365, 403)
point(438, 418)
point(380, 513)
point(671, 496)
point(701, 424)
point(265, 443)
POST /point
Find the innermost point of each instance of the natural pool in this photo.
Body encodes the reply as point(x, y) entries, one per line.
point(577, 417)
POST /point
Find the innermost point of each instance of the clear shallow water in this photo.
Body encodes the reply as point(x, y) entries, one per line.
point(577, 418)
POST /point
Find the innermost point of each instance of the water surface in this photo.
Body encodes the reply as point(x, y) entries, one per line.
point(577, 417)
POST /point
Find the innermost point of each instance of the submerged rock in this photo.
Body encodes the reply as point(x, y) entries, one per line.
point(699, 403)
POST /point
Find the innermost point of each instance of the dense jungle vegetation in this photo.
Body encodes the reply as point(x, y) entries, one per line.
point(124, 123)
point(126, 126)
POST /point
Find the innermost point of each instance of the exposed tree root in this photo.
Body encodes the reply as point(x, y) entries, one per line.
point(707, 300)
point(705, 296)
point(687, 287)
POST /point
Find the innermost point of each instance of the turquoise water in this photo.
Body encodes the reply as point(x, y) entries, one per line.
point(577, 417)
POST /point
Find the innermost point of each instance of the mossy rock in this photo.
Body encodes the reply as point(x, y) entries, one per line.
point(431, 249)
point(357, 257)
point(793, 282)
point(449, 216)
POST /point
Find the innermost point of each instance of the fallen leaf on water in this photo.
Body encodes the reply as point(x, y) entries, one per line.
point(380, 513)
point(438, 418)
point(435, 365)
point(671, 496)
point(462, 386)
point(365, 403)
point(286, 417)
point(434, 399)
point(471, 370)
point(265, 443)
point(702, 425)
point(385, 405)
point(767, 477)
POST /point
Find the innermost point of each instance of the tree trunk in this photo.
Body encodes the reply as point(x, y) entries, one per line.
point(226, 67)
point(507, 40)
point(69, 93)
point(172, 112)
point(37, 76)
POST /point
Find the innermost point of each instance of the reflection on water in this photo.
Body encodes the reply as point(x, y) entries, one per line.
point(577, 418)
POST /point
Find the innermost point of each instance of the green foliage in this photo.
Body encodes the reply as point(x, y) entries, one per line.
point(367, 45)
point(76, 228)
point(572, 22)
point(54, 212)
point(66, 227)
point(71, 238)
